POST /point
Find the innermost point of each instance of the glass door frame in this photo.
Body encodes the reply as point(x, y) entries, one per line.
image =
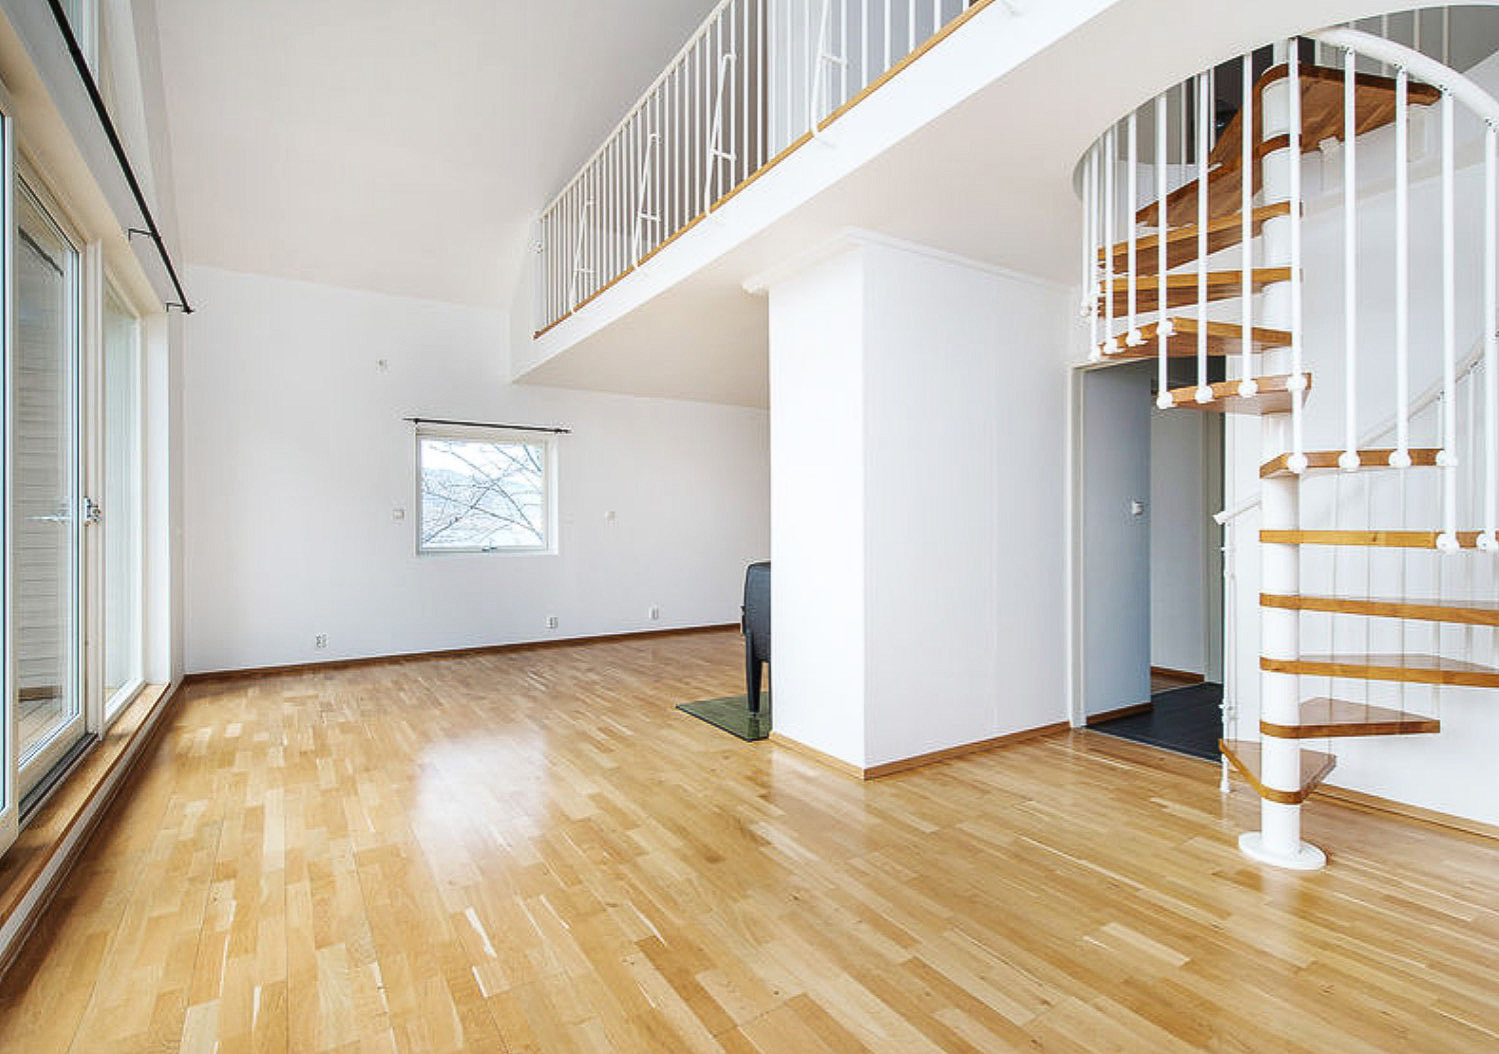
point(99, 289)
point(10, 777)
point(36, 769)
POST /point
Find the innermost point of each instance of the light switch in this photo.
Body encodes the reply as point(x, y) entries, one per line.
point(1137, 507)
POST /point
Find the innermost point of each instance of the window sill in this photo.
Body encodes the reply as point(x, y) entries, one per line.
point(79, 799)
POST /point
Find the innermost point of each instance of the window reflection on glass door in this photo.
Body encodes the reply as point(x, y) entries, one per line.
point(44, 492)
point(120, 516)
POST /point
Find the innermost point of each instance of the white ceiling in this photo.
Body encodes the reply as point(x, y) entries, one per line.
point(394, 145)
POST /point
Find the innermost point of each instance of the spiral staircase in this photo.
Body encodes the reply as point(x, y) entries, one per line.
point(1164, 260)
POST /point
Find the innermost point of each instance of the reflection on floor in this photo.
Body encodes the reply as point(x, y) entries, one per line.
point(1186, 720)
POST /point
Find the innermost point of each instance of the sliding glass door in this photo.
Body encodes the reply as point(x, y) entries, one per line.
point(43, 505)
point(120, 498)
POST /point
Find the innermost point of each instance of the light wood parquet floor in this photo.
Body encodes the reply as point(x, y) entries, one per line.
point(533, 852)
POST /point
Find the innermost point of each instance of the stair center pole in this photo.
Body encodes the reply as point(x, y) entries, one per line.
point(1278, 841)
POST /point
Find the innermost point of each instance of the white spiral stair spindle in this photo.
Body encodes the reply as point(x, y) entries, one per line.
point(1132, 333)
point(1401, 457)
point(1348, 461)
point(1204, 105)
point(1489, 540)
point(1447, 542)
point(1163, 323)
point(1247, 386)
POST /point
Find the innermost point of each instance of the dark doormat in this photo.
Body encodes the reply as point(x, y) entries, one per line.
point(733, 715)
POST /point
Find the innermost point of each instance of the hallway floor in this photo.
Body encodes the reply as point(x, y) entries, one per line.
point(532, 851)
point(1186, 720)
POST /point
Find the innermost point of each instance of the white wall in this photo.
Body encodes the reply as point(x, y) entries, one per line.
point(296, 455)
point(817, 329)
point(918, 481)
point(964, 483)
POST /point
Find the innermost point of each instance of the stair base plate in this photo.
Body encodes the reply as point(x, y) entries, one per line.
point(1307, 857)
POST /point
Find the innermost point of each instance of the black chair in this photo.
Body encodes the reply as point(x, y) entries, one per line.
point(755, 621)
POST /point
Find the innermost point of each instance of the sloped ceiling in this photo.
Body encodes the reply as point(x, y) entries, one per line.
point(400, 146)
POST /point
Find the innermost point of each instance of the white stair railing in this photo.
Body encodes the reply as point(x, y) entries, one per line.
point(756, 79)
point(643, 215)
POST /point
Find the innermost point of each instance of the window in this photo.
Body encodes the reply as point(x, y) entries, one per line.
point(44, 501)
point(483, 491)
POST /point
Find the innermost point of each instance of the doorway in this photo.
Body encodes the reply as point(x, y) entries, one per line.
point(1151, 582)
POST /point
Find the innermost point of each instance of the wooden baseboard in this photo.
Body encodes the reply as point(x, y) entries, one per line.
point(56, 837)
point(1180, 675)
point(1374, 803)
point(450, 653)
point(1123, 711)
point(847, 768)
point(890, 768)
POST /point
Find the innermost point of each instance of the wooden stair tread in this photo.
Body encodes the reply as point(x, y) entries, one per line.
point(1328, 718)
point(1470, 612)
point(1246, 758)
point(1374, 102)
point(1224, 338)
point(1321, 119)
point(1373, 539)
point(1224, 232)
point(1411, 669)
point(1273, 398)
point(1327, 460)
point(1182, 289)
point(1225, 197)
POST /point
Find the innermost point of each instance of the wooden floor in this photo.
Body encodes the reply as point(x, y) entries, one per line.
point(534, 852)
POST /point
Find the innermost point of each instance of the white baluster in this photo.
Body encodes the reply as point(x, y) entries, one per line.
point(1204, 390)
point(1163, 330)
point(642, 214)
point(1447, 541)
point(1348, 459)
point(1400, 457)
point(1297, 384)
point(579, 262)
point(1132, 332)
point(716, 153)
point(1489, 540)
point(1247, 386)
point(1111, 152)
point(1091, 266)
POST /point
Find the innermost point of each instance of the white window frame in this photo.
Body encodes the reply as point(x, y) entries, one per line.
point(37, 768)
point(86, 32)
point(113, 705)
point(491, 434)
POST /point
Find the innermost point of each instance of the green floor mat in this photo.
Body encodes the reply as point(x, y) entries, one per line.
point(733, 715)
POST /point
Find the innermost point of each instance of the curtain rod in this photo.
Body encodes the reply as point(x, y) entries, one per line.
point(87, 76)
point(490, 424)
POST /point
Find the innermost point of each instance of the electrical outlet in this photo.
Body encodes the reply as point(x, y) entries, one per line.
point(655, 613)
point(320, 641)
point(551, 622)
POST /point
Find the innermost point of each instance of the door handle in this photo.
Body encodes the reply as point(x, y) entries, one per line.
point(93, 512)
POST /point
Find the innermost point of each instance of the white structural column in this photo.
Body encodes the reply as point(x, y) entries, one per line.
point(1278, 841)
point(913, 401)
